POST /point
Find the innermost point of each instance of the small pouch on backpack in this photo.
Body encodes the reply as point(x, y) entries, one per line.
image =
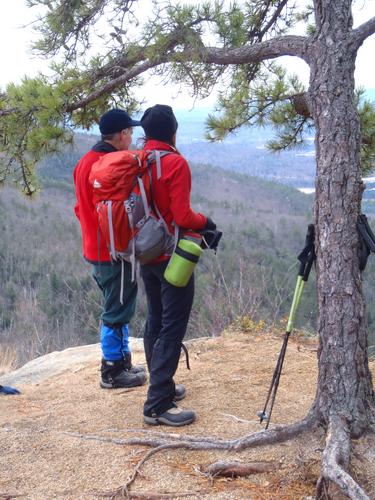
point(152, 240)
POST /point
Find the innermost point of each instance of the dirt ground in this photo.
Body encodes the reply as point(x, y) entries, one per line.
point(226, 386)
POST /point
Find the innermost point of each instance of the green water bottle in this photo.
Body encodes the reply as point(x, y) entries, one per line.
point(182, 263)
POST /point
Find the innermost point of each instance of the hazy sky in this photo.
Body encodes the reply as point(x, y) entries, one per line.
point(16, 58)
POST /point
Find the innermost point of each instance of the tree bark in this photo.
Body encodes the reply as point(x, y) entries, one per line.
point(344, 383)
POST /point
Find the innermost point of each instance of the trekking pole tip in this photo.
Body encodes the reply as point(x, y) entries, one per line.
point(262, 415)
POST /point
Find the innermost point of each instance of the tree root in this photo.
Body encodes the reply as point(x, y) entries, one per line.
point(170, 441)
point(9, 496)
point(335, 460)
point(237, 469)
point(334, 478)
point(146, 495)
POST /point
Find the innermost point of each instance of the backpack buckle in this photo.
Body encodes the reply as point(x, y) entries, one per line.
point(128, 206)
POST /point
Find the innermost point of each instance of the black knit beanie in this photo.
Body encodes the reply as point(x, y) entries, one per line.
point(159, 122)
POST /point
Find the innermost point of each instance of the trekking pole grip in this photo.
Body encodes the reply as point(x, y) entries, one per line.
point(307, 256)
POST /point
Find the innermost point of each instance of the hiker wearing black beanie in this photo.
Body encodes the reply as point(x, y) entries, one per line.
point(159, 122)
point(169, 307)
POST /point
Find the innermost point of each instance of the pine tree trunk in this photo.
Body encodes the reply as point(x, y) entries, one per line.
point(344, 384)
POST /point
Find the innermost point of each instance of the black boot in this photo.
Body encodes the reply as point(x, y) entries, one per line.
point(114, 376)
point(175, 417)
point(128, 364)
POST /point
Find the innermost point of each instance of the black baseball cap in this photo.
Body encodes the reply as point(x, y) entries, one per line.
point(116, 120)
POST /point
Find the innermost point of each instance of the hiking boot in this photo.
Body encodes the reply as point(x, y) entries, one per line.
point(175, 417)
point(180, 392)
point(128, 364)
point(114, 376)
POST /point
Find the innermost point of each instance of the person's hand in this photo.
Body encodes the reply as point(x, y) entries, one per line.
point(210, 239)
point(5, 389)
point(210, 225)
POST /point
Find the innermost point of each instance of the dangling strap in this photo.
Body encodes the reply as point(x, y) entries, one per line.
point(133, 262)
point(111, 235)
point(98, 241)
point(122, 283)
point(184, 348)
point(131, 223)
point(176, 235)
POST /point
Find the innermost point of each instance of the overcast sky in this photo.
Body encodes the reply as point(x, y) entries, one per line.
point(17, 61)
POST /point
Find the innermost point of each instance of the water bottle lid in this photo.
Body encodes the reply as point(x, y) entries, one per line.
point(190, 246)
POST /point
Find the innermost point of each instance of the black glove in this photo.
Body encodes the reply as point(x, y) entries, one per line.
point(210, 225)
point(210, 239)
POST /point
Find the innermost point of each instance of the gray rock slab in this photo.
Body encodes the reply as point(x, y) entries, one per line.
point(57, 362)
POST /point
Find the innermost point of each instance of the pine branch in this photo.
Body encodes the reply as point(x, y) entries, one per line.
point(270, 49)
point(364, 31)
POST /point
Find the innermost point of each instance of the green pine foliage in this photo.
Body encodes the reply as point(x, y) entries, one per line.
point(38, 115)
point(31, 131)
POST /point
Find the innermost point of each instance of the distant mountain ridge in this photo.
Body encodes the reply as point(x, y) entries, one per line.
point(245, 151)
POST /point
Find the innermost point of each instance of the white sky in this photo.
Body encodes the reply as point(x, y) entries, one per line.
point(16, 59)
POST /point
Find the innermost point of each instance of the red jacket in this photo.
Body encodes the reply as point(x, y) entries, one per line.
point(172, 191)
point(171, 194)
point(85, 207)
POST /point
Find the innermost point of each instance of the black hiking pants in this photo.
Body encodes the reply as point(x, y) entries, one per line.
point(169, 309)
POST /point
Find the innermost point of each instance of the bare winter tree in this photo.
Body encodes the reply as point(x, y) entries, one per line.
point(174, 44)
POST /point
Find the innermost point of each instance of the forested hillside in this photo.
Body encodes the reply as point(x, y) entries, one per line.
point(49, 301)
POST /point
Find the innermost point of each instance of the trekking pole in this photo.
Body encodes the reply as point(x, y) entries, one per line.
point(306, 258)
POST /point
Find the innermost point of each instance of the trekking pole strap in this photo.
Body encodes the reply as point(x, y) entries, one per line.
point(367, 239)
point(307, 255)
point(365, 232)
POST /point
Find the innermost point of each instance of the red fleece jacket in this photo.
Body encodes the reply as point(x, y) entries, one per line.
point(85, 209)
point(172, 191)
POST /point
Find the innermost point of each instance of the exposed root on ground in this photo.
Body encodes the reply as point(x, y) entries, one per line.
point(237, 469)
point(334, 479)
point(158, 439)
point(170, 441)
point(336, 458)
point(146, 495)
point(9, 496)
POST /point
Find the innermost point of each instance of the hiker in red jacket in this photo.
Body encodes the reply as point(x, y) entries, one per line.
point(116, 369)
point(169, 307)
